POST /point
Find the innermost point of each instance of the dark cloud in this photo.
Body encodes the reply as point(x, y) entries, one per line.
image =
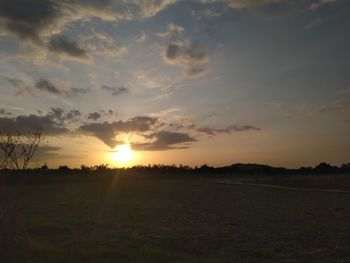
point(60, 116)
point(73, 115)
point(31, 122)
point(228, 130)
point(165, 140)
point(57, 114)
point(43, 85)
point(47, 86)
point(28, 18)
point(94, 116)
point(5, 112)
point(115, 91)
point(77, 91)
point(41, 22)
point(107, 132)
point(53, 123)
point(61, 44)
point(184, 54)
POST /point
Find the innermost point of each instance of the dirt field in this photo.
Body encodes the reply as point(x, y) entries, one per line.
point(172, 220)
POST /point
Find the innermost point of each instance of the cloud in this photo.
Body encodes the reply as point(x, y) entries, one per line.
point(31, 122)
point(331, 109)
point(42, 154)
point(94, 116)
point(47, 86)
point(165, 140)
point(321, 3)
point(344, 91)
point(46, 152)
point(182, 52)
point(104, 131)
point(41, 22)
point(141, 37)
point(16, 82)
point(115, 91)
point(77, 91)
point(210, 13)
point(20, 85)
point(251, 4)
point(151, 79)
point(151, 134)
point(73, 115)
point(59, 115)
point(108, 132)
point(60, 44)
point(313, 111)
point(242, 4)
point(150, 8)
point(174, 33)
point(206, 13)
point(228, 130)
point(28, 19)
point(194, 72)
point(103, 45)
point(5, 112)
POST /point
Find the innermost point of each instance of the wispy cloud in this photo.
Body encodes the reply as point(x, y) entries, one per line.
point(241, 4)
point(313, 111)
point(228, 129)
point(44, 86)
point(115, 91)
point(319, 3)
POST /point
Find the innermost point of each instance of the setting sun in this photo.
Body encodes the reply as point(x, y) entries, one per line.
point(122, 154)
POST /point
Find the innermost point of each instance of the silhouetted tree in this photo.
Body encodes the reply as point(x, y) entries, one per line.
point(324, 168)
point(16, 150)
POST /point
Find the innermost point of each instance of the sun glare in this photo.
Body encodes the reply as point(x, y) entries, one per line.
point(122, 154)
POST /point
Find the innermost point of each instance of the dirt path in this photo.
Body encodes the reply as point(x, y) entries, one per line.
point(283, 187)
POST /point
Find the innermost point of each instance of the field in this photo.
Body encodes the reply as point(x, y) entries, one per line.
point(172, 220)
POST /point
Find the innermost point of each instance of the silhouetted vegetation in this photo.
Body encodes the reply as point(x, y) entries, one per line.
point(103, 171)
point(16, 150)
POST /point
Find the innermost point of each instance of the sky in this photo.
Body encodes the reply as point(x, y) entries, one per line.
point(178, 82)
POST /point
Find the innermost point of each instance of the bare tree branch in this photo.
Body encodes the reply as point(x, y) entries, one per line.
point(17, 150)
